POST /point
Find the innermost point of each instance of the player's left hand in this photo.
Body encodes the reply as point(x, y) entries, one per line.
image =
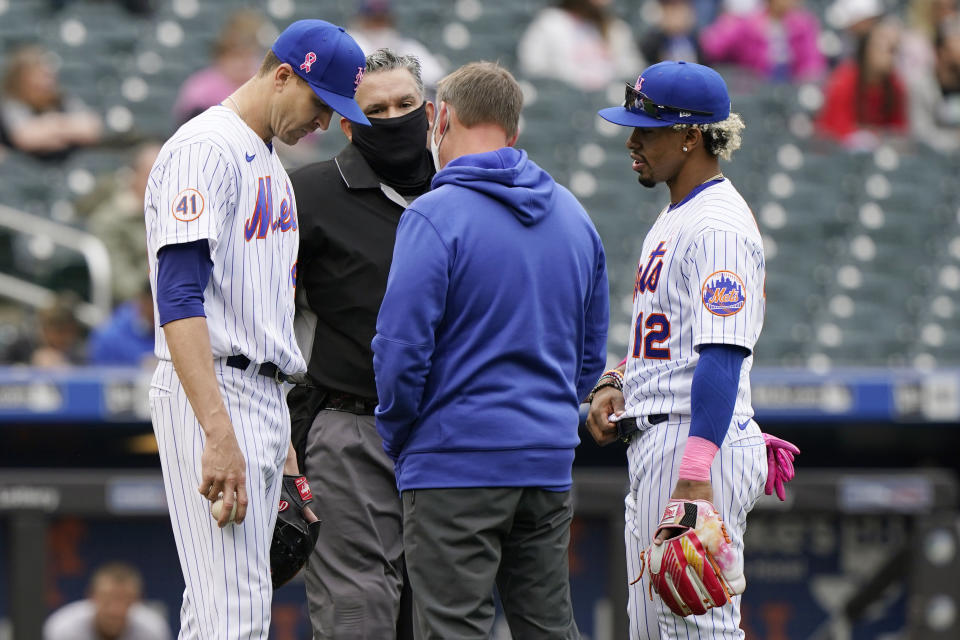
point(290, 468)
point(295, 532)
point(696, 567)
point(685, 490)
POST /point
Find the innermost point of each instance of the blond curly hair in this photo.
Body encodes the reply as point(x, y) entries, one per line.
point(722, 138)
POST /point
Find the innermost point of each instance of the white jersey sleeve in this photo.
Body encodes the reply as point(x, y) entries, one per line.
point(726, 280)
point(196, 190)
point(216, 179)
point(699, 281)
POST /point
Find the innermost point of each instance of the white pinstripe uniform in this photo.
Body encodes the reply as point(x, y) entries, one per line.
point(699, 281)
point(215, 179)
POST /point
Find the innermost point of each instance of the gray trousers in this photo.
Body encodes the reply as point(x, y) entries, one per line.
point(355, 576)
point(460, 542)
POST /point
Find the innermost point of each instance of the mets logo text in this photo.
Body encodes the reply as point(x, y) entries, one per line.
point(723, 293)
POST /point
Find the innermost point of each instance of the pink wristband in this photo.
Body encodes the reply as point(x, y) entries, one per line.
point(622, 362)
point(697, 458)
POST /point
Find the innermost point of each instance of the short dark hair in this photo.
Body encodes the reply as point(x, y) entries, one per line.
point(270, 62)
point(387, 60)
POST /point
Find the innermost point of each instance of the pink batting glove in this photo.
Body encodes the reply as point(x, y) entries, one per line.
point(779, 464)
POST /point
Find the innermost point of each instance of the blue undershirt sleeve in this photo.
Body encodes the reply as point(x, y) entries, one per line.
point(183, 271)
point(713, 392)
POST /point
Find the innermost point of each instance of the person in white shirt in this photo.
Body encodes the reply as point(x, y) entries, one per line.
point(36, 116)
point(374, 27)
point(112, 610)
point(581, 43)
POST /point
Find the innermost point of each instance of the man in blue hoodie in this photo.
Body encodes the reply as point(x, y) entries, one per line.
point(492, 330)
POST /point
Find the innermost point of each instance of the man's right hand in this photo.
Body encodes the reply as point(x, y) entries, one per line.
point(224, 471)
point(607, 401)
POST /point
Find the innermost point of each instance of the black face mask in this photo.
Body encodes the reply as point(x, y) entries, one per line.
point(396, 150)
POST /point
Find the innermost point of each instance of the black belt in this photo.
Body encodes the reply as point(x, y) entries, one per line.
point(340, 401)
point(267, 369)
point(628, 426)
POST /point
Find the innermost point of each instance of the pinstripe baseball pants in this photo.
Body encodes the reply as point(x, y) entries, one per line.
point(227, 571)
point(737, 475)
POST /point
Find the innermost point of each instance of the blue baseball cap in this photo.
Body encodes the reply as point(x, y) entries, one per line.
point(329, 60)
point(670, 93)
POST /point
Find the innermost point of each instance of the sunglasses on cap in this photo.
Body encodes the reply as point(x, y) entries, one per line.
point(637, 102)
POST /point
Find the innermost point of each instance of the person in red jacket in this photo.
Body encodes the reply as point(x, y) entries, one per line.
point(865, 98)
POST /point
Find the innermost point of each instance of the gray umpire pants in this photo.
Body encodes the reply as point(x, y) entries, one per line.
point(460, 542)
point(355, 576)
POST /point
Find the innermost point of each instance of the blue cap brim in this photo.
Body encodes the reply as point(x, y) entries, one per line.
point(347, 107)
point(620, 115)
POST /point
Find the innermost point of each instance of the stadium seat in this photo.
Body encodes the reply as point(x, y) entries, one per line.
point(872, 228)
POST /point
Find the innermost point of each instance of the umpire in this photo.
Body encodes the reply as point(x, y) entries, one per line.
point(349, 208)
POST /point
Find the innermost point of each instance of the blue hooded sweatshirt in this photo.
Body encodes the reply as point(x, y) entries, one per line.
point(492, 329)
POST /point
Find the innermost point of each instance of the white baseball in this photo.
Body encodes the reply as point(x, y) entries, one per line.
point(216, 507)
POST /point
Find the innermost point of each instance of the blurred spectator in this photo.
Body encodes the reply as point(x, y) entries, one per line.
point(127, 336)
point(854, 18)
point(923, 21)
point(374, 28)
point(777, 41)
point(865, 97)
point(112, 610)
point(935, 96)
point(580, 42)
point(54, 341)
point(118, 222)
point(36, 117)
point(706, 11)
point(137, 7)
point(237, 54)
point(674, 37)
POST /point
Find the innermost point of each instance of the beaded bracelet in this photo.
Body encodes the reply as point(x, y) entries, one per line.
point(614, 373)
point(612, 378)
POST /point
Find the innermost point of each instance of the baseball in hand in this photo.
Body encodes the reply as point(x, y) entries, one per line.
point(218, 505)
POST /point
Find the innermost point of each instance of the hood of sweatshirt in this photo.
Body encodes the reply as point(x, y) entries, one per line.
point(506, 175)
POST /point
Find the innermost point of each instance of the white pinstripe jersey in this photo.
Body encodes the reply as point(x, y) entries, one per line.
point(215, 179)
point(699, 281)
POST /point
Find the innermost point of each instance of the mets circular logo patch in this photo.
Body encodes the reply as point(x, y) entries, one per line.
point(723, 293)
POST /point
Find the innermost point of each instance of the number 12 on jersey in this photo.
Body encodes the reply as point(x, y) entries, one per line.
point(658, 332)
